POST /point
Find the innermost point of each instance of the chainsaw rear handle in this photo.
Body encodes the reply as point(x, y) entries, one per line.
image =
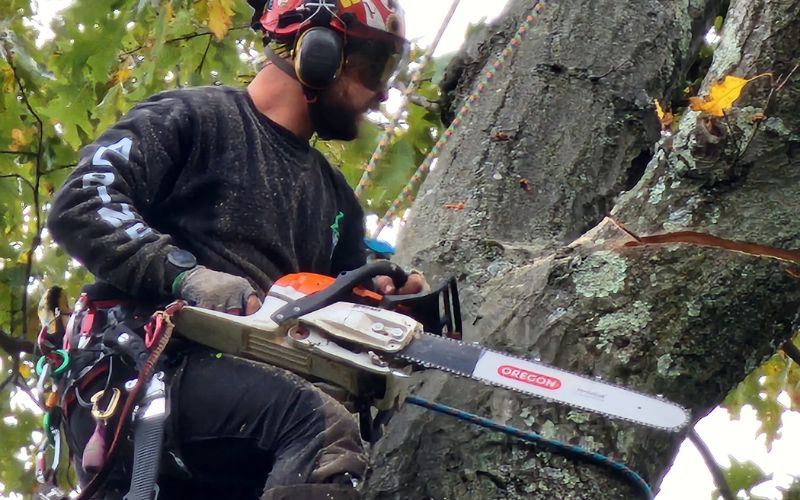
point(340, 290)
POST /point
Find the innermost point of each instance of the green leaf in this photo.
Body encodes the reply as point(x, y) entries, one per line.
point(743, 476)
point(761, 389)
point(14, 434)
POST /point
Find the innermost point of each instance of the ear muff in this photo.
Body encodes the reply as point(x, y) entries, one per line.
point(319, 55)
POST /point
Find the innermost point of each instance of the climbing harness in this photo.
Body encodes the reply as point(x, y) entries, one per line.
point(482, 84)
point(151, 410)
point(98, 336)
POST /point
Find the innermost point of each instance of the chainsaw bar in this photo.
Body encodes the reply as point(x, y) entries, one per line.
point(544, 381)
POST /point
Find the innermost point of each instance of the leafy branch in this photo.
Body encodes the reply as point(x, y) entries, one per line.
point(203, 59)
point(59, 167)
point(20, 178)
point(181, 38)
point(14, 345)
point(719, 477)
point(37, 209)
point(17, 153)
point(8, 380)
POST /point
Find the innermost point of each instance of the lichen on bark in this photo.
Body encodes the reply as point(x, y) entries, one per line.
point(543, 272)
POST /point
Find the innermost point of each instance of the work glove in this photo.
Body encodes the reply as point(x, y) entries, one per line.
point(218, 291)
point(415, 283)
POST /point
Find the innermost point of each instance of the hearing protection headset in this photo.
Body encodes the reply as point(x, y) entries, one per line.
point(318, 50)
point(318, 54)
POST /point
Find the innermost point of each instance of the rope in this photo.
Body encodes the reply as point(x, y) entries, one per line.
point(422, 170)
point(392, 127)
point(554, 445)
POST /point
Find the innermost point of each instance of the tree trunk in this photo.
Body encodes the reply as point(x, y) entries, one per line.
point(685, 321)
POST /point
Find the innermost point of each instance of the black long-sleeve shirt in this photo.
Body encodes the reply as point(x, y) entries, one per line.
point(204, 171)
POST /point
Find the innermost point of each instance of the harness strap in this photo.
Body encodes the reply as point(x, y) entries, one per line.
point(281, 63)
point(69, 395)
point(285, 66)
point(148, 440)
point(161, 338)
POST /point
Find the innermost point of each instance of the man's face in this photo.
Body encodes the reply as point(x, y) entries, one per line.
point(361, 87)
point(340, 108)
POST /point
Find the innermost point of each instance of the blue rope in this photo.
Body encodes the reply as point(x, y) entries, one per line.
point(532, 437)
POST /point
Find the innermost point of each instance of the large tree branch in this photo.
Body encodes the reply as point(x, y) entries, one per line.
point(14, 345)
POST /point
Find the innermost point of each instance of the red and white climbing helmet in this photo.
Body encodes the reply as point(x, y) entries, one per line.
point(379, 20)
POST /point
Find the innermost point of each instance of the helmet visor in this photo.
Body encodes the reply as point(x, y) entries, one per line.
point(376, 64)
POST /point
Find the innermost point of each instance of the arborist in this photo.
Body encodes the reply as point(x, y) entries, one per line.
point(209, 195)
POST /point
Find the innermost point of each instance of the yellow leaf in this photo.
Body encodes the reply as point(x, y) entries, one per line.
point(121, 76)
point(722, 95)
point(664, 117)
point(8, 80)
point(659, 111)
point(219, 17)
point(23, 258)
point(18, 139)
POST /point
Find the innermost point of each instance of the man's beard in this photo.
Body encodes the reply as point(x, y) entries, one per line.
point(333, 119)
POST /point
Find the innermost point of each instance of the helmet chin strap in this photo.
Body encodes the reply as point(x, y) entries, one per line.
point(285, 66)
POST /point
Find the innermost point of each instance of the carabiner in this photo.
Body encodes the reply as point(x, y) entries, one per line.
point(56, 450)
point(48, 431)
point(110, 409)
point(43, 374)
point(61, 367)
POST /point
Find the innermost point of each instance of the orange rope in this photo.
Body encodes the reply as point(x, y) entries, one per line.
point(392, 127)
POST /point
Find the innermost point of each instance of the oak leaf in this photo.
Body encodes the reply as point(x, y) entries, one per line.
point(722, 95)
point(18, 140)
point(219, 17)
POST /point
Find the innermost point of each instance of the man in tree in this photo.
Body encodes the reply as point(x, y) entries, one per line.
point(209, 195)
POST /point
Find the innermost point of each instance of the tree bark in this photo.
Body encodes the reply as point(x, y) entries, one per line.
point(544, 273)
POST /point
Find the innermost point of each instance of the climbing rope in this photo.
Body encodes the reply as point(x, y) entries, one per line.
point(423, 168)
point(554, 445)
point(392, 127)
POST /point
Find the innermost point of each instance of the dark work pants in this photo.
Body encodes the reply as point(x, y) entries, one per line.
point(242, 427)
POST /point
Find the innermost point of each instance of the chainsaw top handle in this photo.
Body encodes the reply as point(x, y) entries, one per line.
point(340, 289)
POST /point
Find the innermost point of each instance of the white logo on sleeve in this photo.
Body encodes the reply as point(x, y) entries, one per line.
point(121, 147)
point(102, 180)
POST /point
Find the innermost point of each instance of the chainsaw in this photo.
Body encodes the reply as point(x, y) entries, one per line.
point(335, 331)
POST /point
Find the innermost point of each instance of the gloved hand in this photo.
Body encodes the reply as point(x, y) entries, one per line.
point(416, 283)
point(218, 291)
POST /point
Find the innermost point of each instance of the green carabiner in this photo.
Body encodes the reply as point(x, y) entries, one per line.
point(61, 367)
point(64, 363)
point(40, 365)
point(48, 432)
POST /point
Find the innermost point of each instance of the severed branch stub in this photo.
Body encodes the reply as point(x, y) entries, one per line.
point(708, 240)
